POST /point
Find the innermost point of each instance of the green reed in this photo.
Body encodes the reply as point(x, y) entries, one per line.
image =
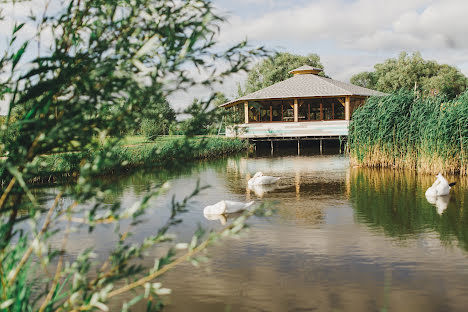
point(402, 130)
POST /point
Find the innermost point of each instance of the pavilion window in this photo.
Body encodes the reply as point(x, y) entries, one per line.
point(327, 109)
point(265, 112)
point(339, 111)
point(288, 111)
point(254, 112)
point(314, 109)
point(276, 111)
point(303, 110)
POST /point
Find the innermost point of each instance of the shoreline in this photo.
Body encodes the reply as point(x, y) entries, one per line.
point(65, 167)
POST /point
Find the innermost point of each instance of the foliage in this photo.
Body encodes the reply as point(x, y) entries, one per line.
point(405, 131)
point(158, 120)
point(206, 117)
point(413, 73)
point(107, 65)
point(162, 152)
point(275, 69)
point(230, 116)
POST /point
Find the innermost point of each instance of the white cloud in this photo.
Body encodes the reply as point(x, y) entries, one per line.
point(362, 25)
point(349, 36)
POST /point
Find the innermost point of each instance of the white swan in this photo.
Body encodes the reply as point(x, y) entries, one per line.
point(440, 187)
point(260, 179)
point(252, 180)
point(213, 217)
point(226, 206)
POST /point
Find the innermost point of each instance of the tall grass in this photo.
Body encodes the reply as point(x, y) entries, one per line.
point(427, 134)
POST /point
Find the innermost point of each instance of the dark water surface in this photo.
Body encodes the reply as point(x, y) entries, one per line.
point(343, 239)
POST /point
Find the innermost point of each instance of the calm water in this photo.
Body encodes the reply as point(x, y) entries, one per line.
point(344, 239)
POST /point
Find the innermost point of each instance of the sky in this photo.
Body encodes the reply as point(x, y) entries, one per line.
point(350, 36)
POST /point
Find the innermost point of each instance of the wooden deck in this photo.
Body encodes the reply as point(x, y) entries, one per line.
point(290, 130)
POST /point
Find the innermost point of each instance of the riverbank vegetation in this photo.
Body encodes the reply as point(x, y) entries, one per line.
point(171, 151)
point(101, 69)
point(402, 130)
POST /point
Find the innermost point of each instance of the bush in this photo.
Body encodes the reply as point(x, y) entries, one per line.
point(151, 129)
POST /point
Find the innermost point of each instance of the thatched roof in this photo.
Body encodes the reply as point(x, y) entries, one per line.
point(306, 86)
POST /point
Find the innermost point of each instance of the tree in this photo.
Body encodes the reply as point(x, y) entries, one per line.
point(232, 116)
point(108, 64)
point(365, 79)
point(275, 69)
point(412, 72)
point(158, 120)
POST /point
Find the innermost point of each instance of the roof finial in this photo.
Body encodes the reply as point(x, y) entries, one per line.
point(305, 69)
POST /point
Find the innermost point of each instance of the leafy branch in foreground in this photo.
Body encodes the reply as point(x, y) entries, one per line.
point(107, 64)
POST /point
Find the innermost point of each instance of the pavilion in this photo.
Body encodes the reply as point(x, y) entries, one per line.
point(306, 105)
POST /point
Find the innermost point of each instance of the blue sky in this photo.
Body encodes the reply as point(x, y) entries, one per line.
point(350, 36)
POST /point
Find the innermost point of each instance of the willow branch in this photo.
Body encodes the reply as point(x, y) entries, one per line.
point(7, 191)
point(171, 265)
point(58, 271)
point(27, 254)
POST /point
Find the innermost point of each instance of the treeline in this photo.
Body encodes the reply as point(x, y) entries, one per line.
point(404, 130)
point(412, 72)
point(159, 118)
point(407, 71)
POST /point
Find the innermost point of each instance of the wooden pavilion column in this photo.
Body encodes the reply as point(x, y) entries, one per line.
point(347, 108)
point(296, 111)
point(246, 112)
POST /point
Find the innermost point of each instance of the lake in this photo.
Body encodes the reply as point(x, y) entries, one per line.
point(342, 239)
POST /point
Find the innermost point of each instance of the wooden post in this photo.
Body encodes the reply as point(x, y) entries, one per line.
point(321, 110)
point(271, 112)
point(333, 110)
point(298, 147)
point(320, 146)
point(271, 142)
point(308, 111)
point(246, 112)
point(282, 111)
point(347, 108)
point(296, 111)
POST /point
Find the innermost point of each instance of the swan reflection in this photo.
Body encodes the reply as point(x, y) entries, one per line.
point(222, 217)
point(441, 202)
point(261, 189)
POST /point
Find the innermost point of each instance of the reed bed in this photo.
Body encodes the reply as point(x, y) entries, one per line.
point(403, 131)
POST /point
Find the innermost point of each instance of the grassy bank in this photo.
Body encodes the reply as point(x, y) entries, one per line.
point(167, 152)
point(428, 134)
